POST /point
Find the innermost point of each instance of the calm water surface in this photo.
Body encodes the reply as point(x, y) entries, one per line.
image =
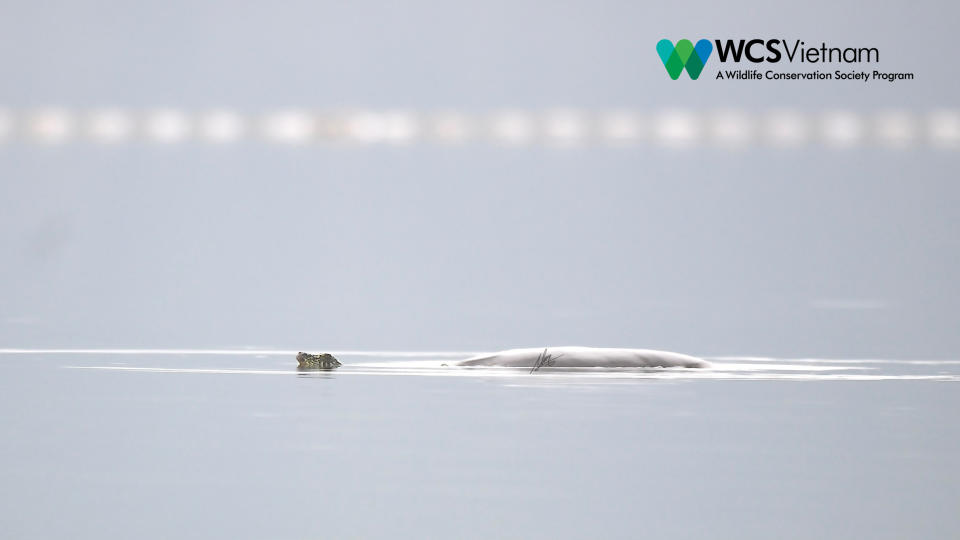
point(134, 444)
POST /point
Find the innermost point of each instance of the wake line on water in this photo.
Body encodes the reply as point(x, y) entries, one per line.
point(436, 354)
point(837, 360)
point(663, 374)
point(247, 352)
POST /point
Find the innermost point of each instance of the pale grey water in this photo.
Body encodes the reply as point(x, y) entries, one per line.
point(814, 251)
point(240, 446)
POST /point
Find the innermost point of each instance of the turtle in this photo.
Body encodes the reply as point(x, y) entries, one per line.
point(317, 361)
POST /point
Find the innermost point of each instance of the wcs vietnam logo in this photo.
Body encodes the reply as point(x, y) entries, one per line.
point(685, 55)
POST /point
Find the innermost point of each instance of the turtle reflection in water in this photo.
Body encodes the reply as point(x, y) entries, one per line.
point(316, 361)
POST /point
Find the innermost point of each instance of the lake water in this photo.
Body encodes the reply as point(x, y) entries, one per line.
point(202, 444)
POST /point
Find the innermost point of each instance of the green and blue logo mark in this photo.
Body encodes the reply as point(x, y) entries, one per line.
point(684, 55)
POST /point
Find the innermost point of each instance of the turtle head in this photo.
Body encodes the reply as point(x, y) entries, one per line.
point(303, 359)
point(317, 361)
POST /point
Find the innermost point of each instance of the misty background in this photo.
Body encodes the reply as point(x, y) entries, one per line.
point(794, 252)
